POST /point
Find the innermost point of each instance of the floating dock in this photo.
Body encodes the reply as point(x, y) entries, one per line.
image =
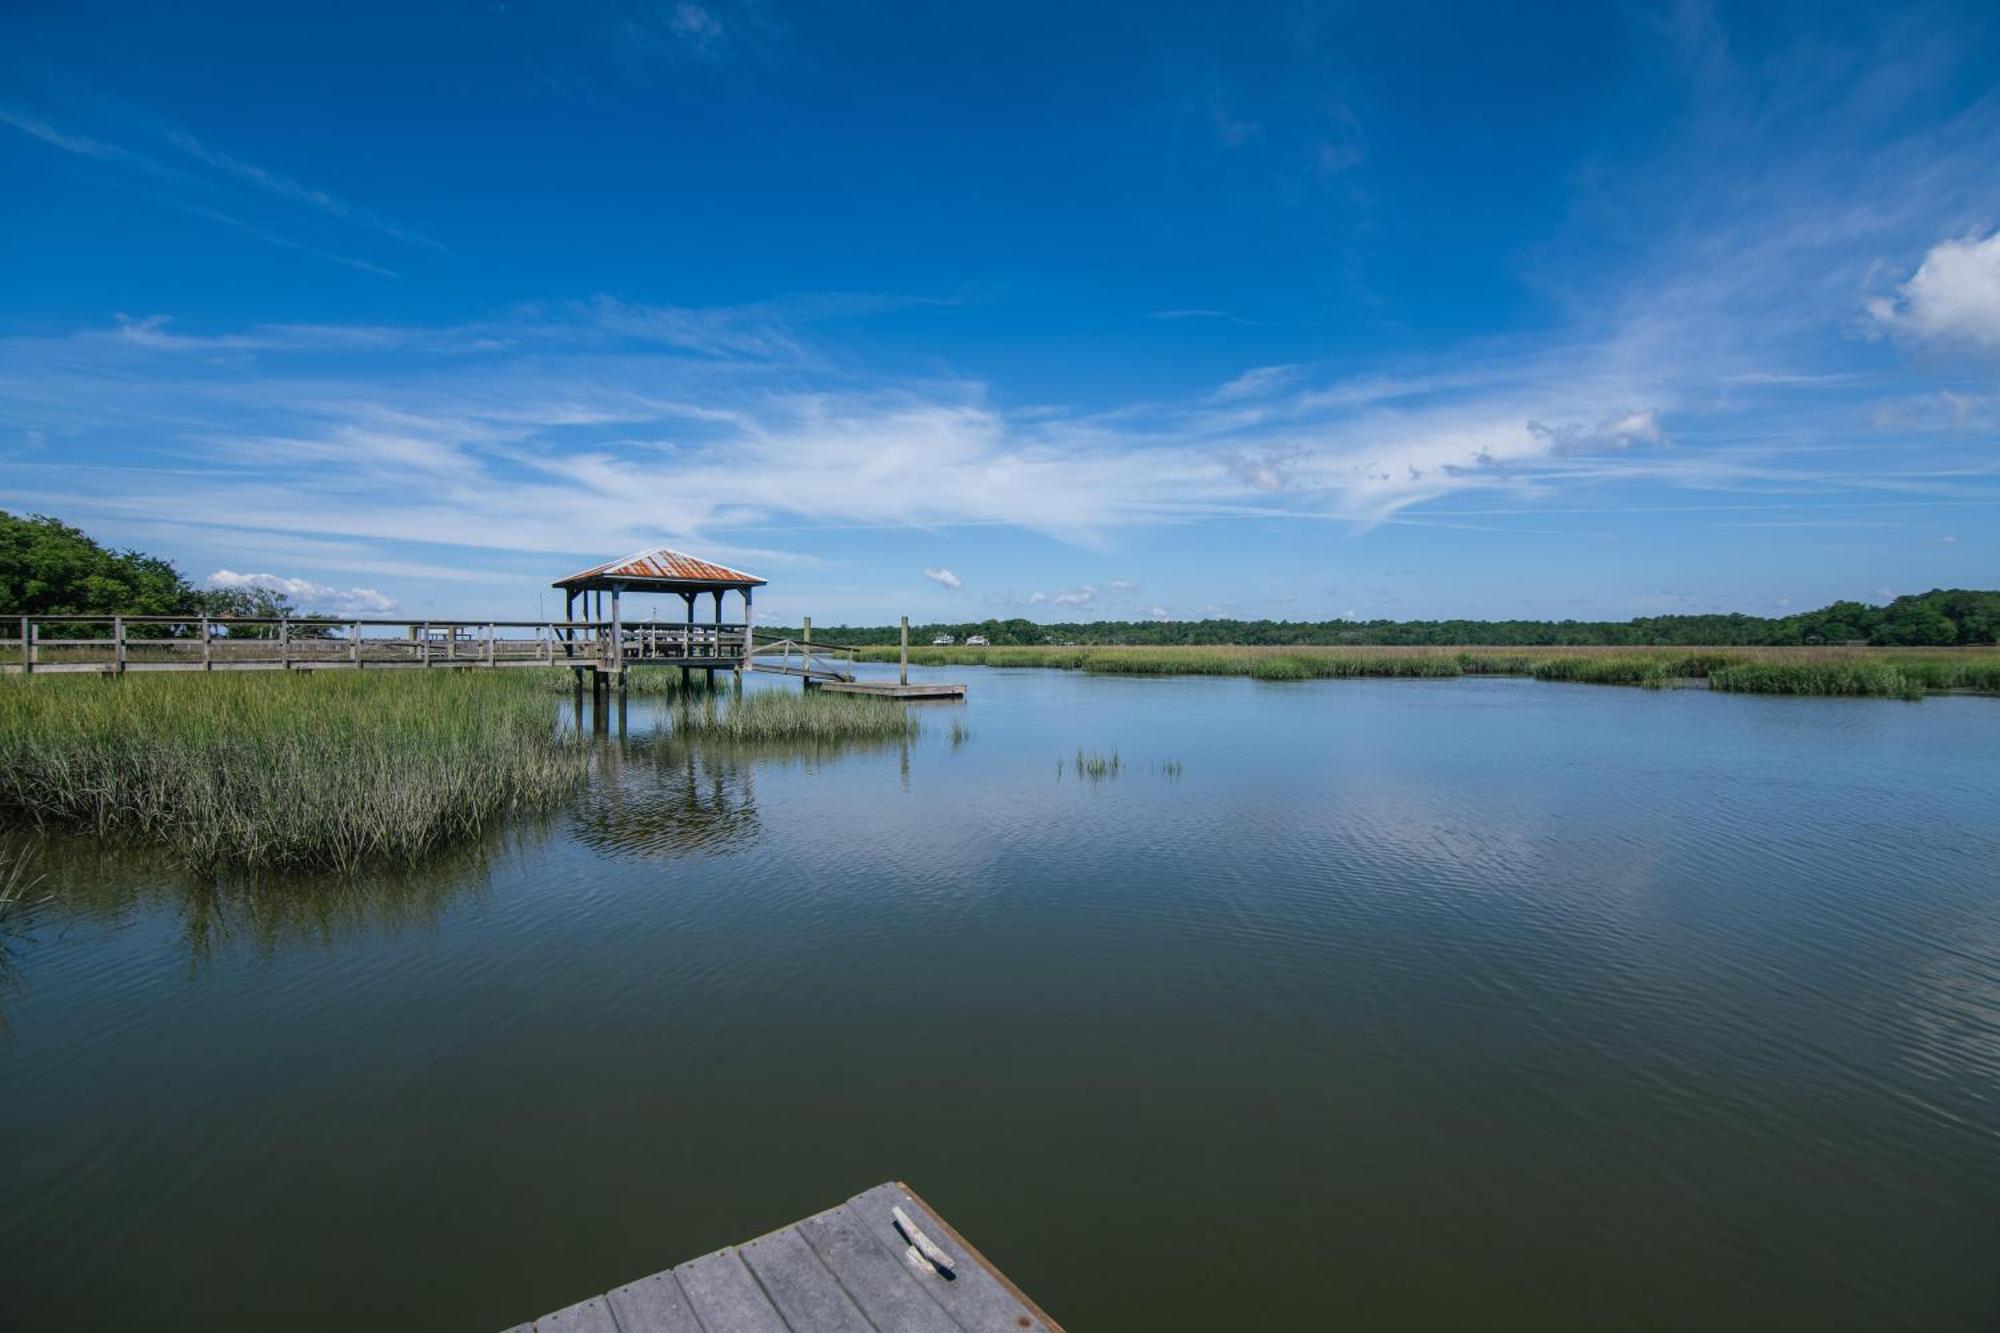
point(882, 1261)
point(889, 689)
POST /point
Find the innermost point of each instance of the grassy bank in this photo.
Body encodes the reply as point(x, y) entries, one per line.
point(1884, 672)
point(810, 717)
point(280, 770)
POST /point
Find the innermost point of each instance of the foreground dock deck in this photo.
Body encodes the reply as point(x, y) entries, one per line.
point(883, 1262)
point(889, 689)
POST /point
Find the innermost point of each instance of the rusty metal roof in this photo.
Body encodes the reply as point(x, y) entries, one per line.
point(658, 564)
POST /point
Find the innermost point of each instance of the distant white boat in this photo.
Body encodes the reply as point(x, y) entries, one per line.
point(943, 641)
point(975, 641)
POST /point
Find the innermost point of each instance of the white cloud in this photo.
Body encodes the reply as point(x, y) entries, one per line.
point(943, 577)
point(1953, 296)
point(1037, 598)
point(1619, 432)
point(1082, 596)
point(307, 595)
point(1158, 613)
point(1122, 585)
point(1256, 383)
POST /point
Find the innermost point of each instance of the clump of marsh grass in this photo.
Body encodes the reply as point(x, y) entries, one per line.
point(280, 770)
point(1649, 671)
point(18, 894)
point(1170, 768)
point(1938, 672)
point(811, 716)
point(1091, 764)
point(1877, 680)
point(959, 733)
point(651, 681)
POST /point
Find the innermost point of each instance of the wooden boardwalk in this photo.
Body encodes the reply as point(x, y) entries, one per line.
point(883, 1262)
point(889, 689)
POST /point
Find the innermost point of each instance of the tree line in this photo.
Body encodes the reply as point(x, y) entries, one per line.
point(1939, 618)
point(49, 568)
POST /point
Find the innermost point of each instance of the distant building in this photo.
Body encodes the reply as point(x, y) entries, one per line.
point(943, 641)
point(975, 640)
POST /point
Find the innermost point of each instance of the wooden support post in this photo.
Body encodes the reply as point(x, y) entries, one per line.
point(284, 644)
point(687, 642)
point(617, 636)
point(424, 645)
point(33, 647)
point(27, 648)
point(207, 647)
point(354, 644)
point(715, 648)
point(903, 674)
point(749, 638)
point(492, 643)
point(806, 652)
point(118, 643)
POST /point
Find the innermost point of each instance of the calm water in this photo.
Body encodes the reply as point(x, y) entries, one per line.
point(1475, 1003)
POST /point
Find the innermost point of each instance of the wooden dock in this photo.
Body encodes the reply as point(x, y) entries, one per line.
point(883, 1262)
point(889, 689)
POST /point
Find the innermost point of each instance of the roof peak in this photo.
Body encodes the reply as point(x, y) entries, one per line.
point(662, 564)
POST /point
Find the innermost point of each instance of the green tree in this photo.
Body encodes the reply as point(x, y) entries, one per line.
point(49, 568)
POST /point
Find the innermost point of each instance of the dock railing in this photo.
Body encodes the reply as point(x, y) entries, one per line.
point(118, 644)
point(808, 657)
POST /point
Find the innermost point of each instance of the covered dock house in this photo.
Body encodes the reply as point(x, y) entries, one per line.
point(689, 642)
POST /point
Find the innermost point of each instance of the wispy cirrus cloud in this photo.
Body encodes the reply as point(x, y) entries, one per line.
point(188, 173)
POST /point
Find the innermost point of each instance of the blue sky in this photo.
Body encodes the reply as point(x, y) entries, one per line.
point(1071, 312)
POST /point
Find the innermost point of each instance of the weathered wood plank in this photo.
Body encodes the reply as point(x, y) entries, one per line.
point(725, 1297)
point(653, 1305)
point(886, 1288)
point(591, 1316)
point(851, 1269)
point(806, 1295)
point(976, 1296)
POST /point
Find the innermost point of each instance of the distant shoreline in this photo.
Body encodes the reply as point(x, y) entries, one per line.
point(1896, 673)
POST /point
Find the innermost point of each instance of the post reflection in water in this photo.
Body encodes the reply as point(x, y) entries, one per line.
point(672, 800)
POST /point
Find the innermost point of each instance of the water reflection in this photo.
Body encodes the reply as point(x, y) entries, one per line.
point(89, 882)
point(680, 800)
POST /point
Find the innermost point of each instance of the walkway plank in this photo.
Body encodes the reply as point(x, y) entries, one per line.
point(886, 1287)
point(653, 1305)
point(591, 1316)
point(799, 1285)
point(725, 1297)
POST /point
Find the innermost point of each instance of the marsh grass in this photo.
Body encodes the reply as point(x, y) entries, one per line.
point(1768, 670)
point(810, 716)
point(1875, 679)
point(281, 770)
point(19, 891)
point(654, 682)
point(1092, 765)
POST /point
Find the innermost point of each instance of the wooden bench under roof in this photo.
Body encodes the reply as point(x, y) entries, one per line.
point(883, 1262)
